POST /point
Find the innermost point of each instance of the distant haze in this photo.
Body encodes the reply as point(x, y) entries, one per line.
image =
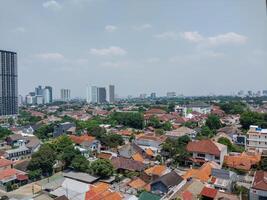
point(191, 47)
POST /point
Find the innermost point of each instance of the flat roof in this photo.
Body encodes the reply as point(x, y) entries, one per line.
point(5, 51)
point(79, 176)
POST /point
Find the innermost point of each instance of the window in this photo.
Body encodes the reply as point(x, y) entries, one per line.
point(201, 155)
point(217, 157)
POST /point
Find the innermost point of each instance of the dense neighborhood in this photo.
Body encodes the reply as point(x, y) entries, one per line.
point(198, 148)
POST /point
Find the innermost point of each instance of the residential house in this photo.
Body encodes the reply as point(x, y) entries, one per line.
point(258, 190)
point(170, 182)
point(102, 191)
point(203, 173)
point(208, 193)
point(223, 180)
point(206, 150)
point(9, 177)
point(150, 141)
point(19, 153)
point(5, 164)
point(155, 172)
point(64, 128)
point(257, 138)
point(87, 142)
point(242, 161)
point(148, 196)
point(182, 131)
point(122, 164)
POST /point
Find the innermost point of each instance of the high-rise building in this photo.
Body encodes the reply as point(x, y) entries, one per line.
point(264, 92)
point(94, 94)
point(171, 94)
point(153, 95)
point(8, 83)
point(39, 90)
point(50, 93)
point(101, 95)
point(111, 93)
point(65, 94)
point(46, 96)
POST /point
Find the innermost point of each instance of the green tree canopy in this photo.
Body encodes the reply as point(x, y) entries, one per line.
point(102, 168)
point(213, 122)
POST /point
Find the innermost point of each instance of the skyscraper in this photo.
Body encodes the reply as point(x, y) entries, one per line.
point(94, 94)
point(101, 95)
point(65, 94)
point(8, 83)
point(50, 93)
point(39, 90)
point(111, 93)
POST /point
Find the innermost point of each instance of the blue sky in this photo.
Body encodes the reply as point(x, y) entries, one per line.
point(191, 47)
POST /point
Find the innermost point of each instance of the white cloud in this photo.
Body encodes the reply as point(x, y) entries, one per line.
point(52, 4)
point(167, 35)
point(110, 51)
point(227, 38)
point(20, 29)
point(51, 56)
point(153, 60)
point(111, 28)
point(221, 39)
point(192, 36)
point(115, 64)
point(142, 27)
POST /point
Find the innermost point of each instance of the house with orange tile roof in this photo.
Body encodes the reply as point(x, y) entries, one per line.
point(155, 172)
point(102, 191)
point(138, 157)
point(203, 173)
point(87, 142)
point(244, 161)
point(5, 164)
point(206, 150)
point(12, 176)
point(258, 188)
point(137, 184)
point(150, 141)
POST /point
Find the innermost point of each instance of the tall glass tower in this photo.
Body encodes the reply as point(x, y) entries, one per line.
point(8, 83)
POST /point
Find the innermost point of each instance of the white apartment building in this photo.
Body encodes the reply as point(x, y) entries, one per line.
point(257, 138)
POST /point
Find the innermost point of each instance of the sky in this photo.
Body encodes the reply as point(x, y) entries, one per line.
point(191, 47)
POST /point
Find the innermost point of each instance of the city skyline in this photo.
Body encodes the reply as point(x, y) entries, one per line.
point(219, 49)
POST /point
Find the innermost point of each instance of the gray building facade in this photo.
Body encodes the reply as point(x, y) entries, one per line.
point(8, 83)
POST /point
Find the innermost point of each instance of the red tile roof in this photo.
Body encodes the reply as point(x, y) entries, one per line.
point(203, 146)
point(187, 195)
point(260, 181)
point(127, 164)
point(208, 192)
point(81, 139)
point(5, 162)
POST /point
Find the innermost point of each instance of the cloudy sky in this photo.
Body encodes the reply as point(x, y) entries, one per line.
point(191, 47)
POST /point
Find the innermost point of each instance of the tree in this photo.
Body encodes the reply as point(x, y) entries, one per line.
point(4, 132)
point(11, 121)
point(43, 160)
point(35, 174)
point(205, 133)
point(154, 122)
point(263, 164)
point(102, 168)
point(253, 118)
point(236, 107)
point(171, 107)
point(80, 163)
point(45, 131)
point(68, 154)
point(130, 119)
point(213, 122)
point(230, 146)
point(61, 143)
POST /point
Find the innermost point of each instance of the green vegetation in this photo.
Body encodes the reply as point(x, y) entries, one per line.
point(4, 132)
point(25, 118)
point(80, 163)
point(205, 133)
point(190, 124)
point(230, 146)
point(263, 164)
point(155, 123)
point(213, 122)
point(129, 119)
point(253, 118)
point(176, 149)
point(234, 107)
point(45, 131)
point(102, 168)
